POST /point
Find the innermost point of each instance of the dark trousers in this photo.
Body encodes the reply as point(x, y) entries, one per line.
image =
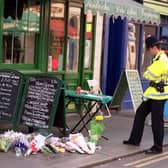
point(155, 107)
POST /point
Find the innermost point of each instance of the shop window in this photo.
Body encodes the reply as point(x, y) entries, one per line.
point(164, 31)
point(20, 26)
point(57, 33)
point(164, 38)
point(73, 39)
point(132, 48)
point(88, 40)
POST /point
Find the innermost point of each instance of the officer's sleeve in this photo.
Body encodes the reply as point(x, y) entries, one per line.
point(155, 71)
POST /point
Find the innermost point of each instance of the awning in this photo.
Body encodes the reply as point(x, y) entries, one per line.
point(162, 7)
point(123, 8)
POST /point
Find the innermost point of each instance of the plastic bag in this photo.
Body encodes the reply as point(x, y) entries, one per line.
point(96, 129)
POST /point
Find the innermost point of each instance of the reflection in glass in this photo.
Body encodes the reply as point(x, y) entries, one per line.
point(88, 45)
point(21, 15)
point(20, 25)
point(132, 49)
point(73, 39)
point(18, 48)
point(164, 38)
point(146, 58)
point(57, 33)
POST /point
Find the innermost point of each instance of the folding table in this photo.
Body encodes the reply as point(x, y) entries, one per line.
point(86, 102)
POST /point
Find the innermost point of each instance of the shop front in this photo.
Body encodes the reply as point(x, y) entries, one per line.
point(117, 19)
point(123, 36)
point(73, 40)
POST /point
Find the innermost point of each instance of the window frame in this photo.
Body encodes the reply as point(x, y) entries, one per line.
point(49, 69)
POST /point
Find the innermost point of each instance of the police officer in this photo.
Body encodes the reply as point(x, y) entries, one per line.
point(153, 99)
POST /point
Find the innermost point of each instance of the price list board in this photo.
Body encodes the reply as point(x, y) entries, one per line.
point(40, 101)
point(11, 83)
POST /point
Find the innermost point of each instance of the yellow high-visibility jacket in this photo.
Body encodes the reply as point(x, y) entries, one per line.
point(156, 72)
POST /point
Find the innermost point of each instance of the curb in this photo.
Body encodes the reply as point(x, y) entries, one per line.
point(105, 161)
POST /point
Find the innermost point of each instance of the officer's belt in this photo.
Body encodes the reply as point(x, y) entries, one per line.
point(158, 86)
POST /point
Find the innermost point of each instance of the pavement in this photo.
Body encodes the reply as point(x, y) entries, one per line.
point(117, 129)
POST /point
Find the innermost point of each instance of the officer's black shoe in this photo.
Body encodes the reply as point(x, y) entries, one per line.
point(127, 142)
point(153, 150)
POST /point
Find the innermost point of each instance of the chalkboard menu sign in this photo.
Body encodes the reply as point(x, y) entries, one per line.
point(10, 91)
point(40, 101)
point(129, 79)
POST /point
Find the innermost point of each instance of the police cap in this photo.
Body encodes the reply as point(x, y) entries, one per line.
point(151, 41)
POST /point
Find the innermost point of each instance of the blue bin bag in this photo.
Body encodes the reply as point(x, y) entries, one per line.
point(165, 113)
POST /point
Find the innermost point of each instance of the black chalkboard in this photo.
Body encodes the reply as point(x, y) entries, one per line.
point(10, 92)
point(40, 100)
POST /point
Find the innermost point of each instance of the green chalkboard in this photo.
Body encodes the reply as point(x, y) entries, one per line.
point(129, 79)
point(120, 91)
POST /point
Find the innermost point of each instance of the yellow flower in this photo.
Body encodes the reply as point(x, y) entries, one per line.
point(99, 118)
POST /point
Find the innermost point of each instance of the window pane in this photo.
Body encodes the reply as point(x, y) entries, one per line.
point(73, 39)
point(164, 38)
point(18, 48)
point(132, 48)
point(29, 48)
point(21, 15)
point(88, 41)
point(31, 18)
point(146, 58)
point(20, 26)
point(57, 33)
point(164, 31)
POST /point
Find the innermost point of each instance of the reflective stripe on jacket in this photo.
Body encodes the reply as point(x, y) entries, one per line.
point(156, 72)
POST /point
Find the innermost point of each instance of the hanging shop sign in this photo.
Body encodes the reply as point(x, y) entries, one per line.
point(129, 9)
